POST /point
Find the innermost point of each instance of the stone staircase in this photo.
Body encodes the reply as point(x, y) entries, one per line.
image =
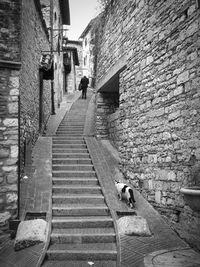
point(82, 228)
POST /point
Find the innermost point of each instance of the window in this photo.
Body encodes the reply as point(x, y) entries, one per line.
point(85, 60)
point(85, 41)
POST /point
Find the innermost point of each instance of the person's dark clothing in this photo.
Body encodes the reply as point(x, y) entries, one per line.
point(84, 83)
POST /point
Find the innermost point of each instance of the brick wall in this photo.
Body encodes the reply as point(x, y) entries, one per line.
point(159, 95)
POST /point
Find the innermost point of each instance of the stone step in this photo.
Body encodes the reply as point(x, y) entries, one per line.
point(72, 174)
point(93, 251)
point(71, 155)
point(61, 134)
point(83, 189)
point(78, 167)
point(83, 235)
point(77, 199)
point(69, 146)
point(79, 210)
point(55, 137)
point(72, 161)
point(79, 263)
point(69, 151)
point(82, 222)
point(75, 181)
point(68, 142)
point(71, 126)
point(69, 132)
point(77, 120)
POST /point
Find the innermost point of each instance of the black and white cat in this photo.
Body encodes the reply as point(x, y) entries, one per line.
point(125, 192)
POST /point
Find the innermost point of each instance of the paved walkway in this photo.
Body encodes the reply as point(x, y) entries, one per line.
point(105, 159)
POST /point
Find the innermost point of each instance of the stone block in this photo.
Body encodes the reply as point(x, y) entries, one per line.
point(14, 92)
point(10, 122)
point(30, 233)
point(14, 82)
point(133, 226)
point(14, 152)
point(183, 77)
point(4, 153)
point(4, 217)
point(158, 197)
point(13, 108)
point(11, 197)
point(174, 115)
point(149, 60)
point(12, 178)
point(193, 28)
point(179, 90)
point(9, 168)
point(171, 176)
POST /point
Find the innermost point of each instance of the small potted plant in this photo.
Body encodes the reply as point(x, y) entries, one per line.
point(192, 192)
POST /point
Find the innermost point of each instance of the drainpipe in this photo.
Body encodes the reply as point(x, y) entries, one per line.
point(19, 166)
point(51, 44)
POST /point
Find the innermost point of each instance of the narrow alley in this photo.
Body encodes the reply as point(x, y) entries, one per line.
point(82, 216)
point(111, 179)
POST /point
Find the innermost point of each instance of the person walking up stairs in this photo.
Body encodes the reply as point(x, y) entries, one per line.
point(83, 232)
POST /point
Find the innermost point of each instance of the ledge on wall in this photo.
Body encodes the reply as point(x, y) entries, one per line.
point(110, 81)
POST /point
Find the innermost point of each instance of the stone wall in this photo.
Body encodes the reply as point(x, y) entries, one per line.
point(10, 30)
point(23, 37)
point(34, 42)
point(106, 118)
point(9, 84)
point(159, 95)
point(114, 128)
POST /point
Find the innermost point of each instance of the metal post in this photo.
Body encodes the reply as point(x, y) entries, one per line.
point(51, 44)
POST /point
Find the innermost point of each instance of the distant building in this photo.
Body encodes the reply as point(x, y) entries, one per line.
point(60, 17)
point(88, 38)
point(73, 65)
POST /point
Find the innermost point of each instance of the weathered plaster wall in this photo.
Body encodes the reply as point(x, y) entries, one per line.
point(159, 96)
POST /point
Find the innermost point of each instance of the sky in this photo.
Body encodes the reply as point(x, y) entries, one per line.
point(81, 12)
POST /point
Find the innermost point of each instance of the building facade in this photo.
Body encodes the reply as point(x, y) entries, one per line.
point(25, 93)
point(88, 38)
point(73, 65)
